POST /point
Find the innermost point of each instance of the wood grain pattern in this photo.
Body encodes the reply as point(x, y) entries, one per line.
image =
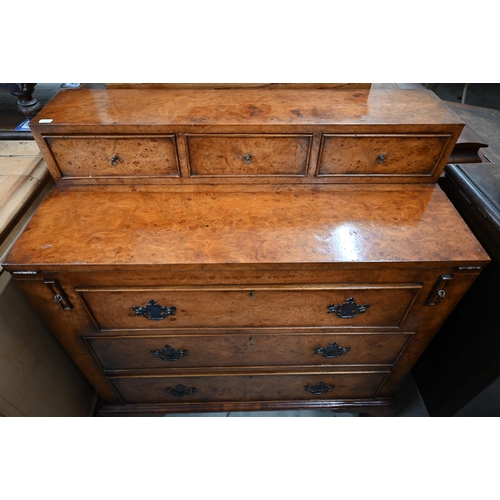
point(278, 306)
point(215, 155)
point(94, 156)
point(257, 386)
point(74, 229)
point(22, 174)
point(252, 349)
point(406, 155)
point(250, 270)
point(195, 115)
point(245, 86)
point(131, 110)
point(19, 148)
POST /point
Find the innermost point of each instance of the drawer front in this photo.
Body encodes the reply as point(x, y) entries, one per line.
point(254, 387)
point(260, 306)
point(248, 155)
point(399, 155)
point(115, 156)
point(189, 351)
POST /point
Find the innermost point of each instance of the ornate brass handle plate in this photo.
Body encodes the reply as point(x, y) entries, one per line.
point(319, 388)
point(349, 309)
point(167, 353)
point(181, 391)
point(153, 311)
point(333, 350)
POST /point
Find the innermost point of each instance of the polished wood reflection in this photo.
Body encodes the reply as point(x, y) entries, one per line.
point(283, 226)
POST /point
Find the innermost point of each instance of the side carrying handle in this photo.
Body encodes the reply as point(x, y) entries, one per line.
point(59, 294)
point(438, 292)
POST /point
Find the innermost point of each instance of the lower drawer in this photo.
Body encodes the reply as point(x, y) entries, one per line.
point(282, 349)
point(254, 387)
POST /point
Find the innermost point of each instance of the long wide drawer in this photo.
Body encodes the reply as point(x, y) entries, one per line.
point(260, 306)
point(190, 351)
point(111, 156)
point(248, 387)
point(382, 154)
point(248, 155)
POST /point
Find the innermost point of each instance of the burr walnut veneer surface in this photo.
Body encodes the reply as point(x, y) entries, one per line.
point(245, 249)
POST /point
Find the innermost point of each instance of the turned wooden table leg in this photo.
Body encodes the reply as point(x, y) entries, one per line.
point(26, 103)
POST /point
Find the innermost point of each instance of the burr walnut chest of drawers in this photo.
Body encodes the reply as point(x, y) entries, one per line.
point(251, 249)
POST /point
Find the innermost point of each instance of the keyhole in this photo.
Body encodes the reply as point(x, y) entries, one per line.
point(251, 294)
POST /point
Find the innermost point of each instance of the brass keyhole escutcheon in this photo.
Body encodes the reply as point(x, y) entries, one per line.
point(114, 161)
point(248, 159)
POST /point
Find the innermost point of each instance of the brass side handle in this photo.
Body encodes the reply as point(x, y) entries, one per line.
point(438, 291)
point(59, 294)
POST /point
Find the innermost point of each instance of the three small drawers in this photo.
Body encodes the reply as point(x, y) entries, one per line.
point(327, 157)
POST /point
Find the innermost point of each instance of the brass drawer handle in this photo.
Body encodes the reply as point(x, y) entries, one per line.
point(349, 309)
point(181, 391)
point(438, 292)
point(167, 353)
point(114, 161)
point(153, 311)
point(380, 159)
point(59, 294)
point(319, 388)
point(333, 350)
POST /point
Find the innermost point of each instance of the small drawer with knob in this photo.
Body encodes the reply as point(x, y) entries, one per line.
point(283, 348)
point(111, 157)
point(418, 156)
point(248, 155)
point(248, 386)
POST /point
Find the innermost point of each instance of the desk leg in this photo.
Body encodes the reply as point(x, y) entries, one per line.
point(26, 103)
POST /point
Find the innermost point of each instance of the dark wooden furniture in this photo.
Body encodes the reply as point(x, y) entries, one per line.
point(464, 357)
point(26, 104)
point(211, 250)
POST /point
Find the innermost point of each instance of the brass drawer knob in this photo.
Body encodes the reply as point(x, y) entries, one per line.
point(380, 159)
point(114, 161)
point(248, 159)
